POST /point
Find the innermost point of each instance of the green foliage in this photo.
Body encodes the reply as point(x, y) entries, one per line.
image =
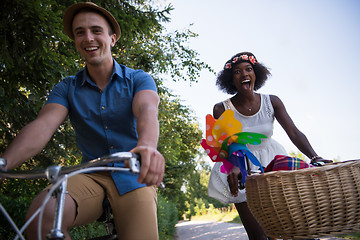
point(16, 196)
point(167, 218)
point(355, 235)
point(197, 199)
point(227, 213)
point(35, 56)
point(179, 141)
point(16, 208)
point(95, 229)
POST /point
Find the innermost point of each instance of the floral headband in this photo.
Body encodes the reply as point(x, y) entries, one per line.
point(243, 57)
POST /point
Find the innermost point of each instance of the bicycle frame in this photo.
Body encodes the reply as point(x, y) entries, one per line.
point(58, 177)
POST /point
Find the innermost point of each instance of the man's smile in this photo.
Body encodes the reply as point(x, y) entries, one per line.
point(89, 49)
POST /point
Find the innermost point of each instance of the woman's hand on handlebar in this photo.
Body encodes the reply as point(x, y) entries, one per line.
point(152, 165)
point(320, 161)
point(233, 181)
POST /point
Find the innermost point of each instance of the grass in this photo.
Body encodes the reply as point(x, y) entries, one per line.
point(352, 236)
point(228, 214)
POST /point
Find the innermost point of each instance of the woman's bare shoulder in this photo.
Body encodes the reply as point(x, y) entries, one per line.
point(218, 110)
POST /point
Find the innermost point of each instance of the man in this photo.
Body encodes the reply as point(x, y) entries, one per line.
point(112, 109)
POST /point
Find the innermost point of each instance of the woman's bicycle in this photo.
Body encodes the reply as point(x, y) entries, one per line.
point(58, 176)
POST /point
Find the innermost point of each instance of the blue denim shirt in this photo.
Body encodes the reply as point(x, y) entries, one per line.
point(103, 120)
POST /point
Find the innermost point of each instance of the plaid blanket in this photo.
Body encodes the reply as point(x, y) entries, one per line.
point(281, 162)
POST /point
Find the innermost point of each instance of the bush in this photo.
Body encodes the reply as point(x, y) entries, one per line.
point(16, 208)
point(167, 218)
point(15, 198)
point(88, 231)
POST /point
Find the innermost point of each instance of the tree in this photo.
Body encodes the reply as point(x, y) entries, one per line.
point(179, 141)
point(36, 54)
point(196, 187)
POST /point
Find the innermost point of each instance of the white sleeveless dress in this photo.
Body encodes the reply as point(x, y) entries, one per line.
point(261, 122)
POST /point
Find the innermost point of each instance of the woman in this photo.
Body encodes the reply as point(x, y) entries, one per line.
point(243, 75)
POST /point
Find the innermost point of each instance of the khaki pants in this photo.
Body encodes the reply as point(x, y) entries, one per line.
point(134, 212)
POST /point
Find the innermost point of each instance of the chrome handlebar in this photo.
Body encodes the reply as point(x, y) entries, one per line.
point(130, 160)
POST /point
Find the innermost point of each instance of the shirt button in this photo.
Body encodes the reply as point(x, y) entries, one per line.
point(111, 147)
point(102, 107)
point(106, 127)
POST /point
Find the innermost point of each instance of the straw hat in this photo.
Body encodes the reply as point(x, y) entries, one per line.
point(75, 8)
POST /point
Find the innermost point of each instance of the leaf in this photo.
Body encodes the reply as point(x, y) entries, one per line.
point(250, 138)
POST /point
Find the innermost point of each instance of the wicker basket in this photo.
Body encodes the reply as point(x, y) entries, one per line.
point(307, 203)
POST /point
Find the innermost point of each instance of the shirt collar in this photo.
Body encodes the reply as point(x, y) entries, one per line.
point(85, 76)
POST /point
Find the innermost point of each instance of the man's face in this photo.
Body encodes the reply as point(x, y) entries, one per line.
point(92, 39)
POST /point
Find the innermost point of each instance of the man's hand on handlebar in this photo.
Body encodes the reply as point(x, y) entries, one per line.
point(152, 165)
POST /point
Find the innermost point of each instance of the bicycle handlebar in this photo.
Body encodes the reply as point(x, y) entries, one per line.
point(130, 160)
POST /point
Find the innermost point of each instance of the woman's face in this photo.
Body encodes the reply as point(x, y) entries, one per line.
point(244, 77)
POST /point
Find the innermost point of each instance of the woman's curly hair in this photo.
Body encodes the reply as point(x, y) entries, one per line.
point(224, 79)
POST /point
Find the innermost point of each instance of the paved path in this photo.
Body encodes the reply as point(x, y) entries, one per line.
point(202, 230)
point(209, 231)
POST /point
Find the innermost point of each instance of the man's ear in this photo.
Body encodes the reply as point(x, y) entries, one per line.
point(113, 39)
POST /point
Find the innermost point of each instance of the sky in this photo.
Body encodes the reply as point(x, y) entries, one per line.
point(312, 48)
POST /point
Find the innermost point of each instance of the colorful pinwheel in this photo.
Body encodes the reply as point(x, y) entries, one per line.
point(225, 142)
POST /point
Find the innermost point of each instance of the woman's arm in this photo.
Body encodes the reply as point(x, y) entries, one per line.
point(295, 135)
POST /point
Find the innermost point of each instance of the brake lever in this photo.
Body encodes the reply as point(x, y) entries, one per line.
point(3, 163)
point(135, 163)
